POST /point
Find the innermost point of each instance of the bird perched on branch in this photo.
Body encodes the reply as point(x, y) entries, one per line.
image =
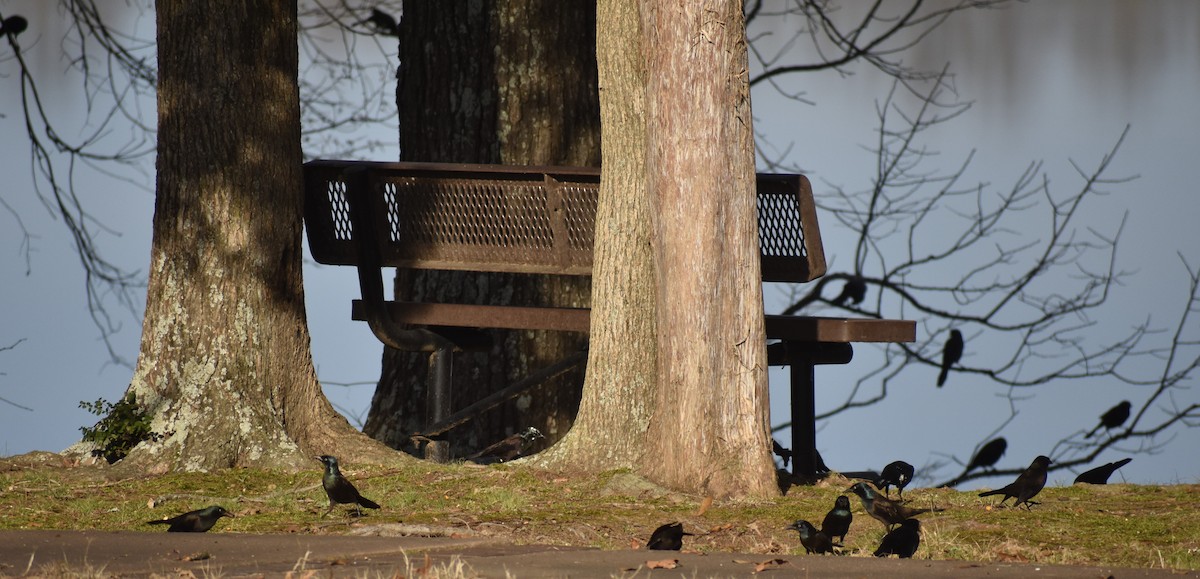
point(1100, 474)
point(668, 537)
point(951, 354)
point(898, 474)
point(198, 521)
point(854, 291)
point(13, 25)
point(884, 510)
point(511, 448)
point(901, 541)
point(383, 23)
point(338, 488)
point(837, 521)
point(989, 454)
point(1027, 485)
point(1114, 417)
point(814, 541)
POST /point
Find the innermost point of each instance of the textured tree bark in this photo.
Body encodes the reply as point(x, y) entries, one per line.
point(614, 414)
point(710, 429)
point(225, 363)
point(504, 82)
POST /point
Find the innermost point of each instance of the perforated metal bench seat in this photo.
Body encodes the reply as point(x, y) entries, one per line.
point(541, 220)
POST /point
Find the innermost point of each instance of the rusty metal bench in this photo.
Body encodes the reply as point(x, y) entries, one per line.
point(540, 220)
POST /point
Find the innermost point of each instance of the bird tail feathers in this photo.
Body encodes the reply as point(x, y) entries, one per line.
point(367, 503)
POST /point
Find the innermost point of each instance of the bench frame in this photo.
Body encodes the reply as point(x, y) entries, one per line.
point(540, 220)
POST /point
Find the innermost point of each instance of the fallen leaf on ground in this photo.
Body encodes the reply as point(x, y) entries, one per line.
point(704, 506)
point(662, 564)
point(199, 556)
point(768, 565)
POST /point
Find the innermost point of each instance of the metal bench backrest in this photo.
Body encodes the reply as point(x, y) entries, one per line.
point(513, 219)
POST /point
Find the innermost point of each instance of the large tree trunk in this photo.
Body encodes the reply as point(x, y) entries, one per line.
point(225, 364)
point(710, 429)
point(677, 295)
point(618, 394)
point(506, 82)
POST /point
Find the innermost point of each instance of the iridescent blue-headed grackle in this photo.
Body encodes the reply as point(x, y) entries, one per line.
point(198, 521)
point(901, 541)
point(339, 490)
point(814, 541)
point(668, 537)
point(1027, 485)
point(837, 520)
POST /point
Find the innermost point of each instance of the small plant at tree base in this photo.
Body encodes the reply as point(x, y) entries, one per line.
point(122, 427)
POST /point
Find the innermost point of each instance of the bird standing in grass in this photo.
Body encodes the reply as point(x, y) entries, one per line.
point(1114, 417)
point(989, 454)
point(884, 510)
point(668, 537)
point(1100, 474)
point(901, 541)
point(837, 520)
point(1027, 485)
point(510, 448)
point(899, 474)
point(814, 541)
point(339, 490)
point(198, 521)
point(951, 354)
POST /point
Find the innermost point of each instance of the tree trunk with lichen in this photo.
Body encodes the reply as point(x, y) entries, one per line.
point(509, 82)
point(225, 366)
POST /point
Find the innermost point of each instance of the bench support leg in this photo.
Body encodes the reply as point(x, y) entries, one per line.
point(437, 400)
point(804, 412)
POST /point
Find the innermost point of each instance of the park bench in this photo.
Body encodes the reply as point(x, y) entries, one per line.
point(541, 220)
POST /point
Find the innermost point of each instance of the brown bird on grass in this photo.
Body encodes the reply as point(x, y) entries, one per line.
point(884, 510)
point(1027, 485)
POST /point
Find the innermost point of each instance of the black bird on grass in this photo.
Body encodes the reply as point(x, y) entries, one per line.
point(1114, 417)
point(837, 521)
point(668, 537)
point(989, 454)
point(902, 541)
point(814, 541)
point(898, 474)
point(781, 452)
point(1027, 485)
point(1100, 474)
point(511, 448)
point(198, 521)
point(951, 354)
point(855, 291)
point(884, 510)
point(338, 488)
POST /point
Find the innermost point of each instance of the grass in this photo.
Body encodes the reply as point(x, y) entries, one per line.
point(1113, 525)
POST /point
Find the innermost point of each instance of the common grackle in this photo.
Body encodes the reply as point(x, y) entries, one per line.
point(902, 541)
point(511, 448)
point(13, 25)
point(383, 23)
point(855, 291)
point(951, 354)
point(989, 454)
point(198, 521)
point(668, 537)
point(814, 541)
point(781, 452)
point(1100, 474)
point(1114, 417)
point(837, 521)
point(898, 473)
point(339, 490)
point(883, 510)
point(1027, 485)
